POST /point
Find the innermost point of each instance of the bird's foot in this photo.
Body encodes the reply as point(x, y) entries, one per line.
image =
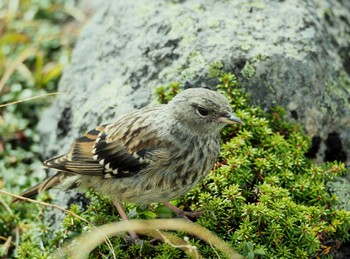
point(183, 214)
point(133, 236)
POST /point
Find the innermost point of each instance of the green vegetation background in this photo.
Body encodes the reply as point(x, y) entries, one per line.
point(264, 197)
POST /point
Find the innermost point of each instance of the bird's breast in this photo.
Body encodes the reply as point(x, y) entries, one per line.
point(189, 163)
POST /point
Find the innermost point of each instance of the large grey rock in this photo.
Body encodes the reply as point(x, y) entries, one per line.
point(290, 53)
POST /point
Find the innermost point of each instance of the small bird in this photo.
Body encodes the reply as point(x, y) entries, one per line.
point(154, 154)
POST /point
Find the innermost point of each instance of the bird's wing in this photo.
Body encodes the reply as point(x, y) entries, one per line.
point(117, 150)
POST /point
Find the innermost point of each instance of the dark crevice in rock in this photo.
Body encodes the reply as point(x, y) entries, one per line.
point(315, 147)
point(343, 252)
point(344, 53)
point(294, 114)
point(64, 123)
point(79, 199)
point(334, 151)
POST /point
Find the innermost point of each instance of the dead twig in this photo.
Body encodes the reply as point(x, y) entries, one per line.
point(83, 245)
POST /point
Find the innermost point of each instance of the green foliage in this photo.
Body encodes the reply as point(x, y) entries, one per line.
point(34, 47)
point(249, 252)
point(215, 69)
point(248, 70)
point(166, 93)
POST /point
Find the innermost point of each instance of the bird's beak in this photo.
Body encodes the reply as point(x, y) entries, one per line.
point(230, 118)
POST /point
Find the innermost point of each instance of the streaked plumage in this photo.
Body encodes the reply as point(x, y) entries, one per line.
point(154, 154)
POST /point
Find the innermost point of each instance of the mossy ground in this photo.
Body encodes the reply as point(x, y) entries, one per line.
point(263, 196)
point(36, 39)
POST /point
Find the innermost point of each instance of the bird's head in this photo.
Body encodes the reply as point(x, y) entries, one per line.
point(202, 110)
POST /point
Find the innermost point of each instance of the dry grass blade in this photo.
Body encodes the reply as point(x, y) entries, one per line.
point(13, 66)
point(6, 207)
point(177, 242)
point(29, 99)
point(76, 13)
point(46, 205)
point(82, 246)
point(6, 246)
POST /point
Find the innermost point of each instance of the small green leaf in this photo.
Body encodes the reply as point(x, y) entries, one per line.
point(164, 212)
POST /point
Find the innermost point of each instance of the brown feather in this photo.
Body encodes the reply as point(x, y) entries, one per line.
point(79, 159)
point(116, 150)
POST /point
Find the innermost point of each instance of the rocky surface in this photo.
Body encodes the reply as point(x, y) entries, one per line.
point(289, 53)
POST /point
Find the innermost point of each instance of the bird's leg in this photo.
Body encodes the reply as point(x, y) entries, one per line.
point(180, 213)
point(122, 214)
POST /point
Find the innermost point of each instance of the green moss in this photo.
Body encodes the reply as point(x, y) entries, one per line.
point(246, 47)
point(248, 70)
point(35, 46)
point(215, 69)
point(195, 62)
point(166, 93)
point(338, 90)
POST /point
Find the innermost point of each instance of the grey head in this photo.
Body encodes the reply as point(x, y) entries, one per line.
point(201, 110)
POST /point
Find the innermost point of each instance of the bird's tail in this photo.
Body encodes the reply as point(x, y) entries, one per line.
point(47, 184)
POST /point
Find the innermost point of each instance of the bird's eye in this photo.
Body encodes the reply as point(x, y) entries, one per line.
point(202, 111)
